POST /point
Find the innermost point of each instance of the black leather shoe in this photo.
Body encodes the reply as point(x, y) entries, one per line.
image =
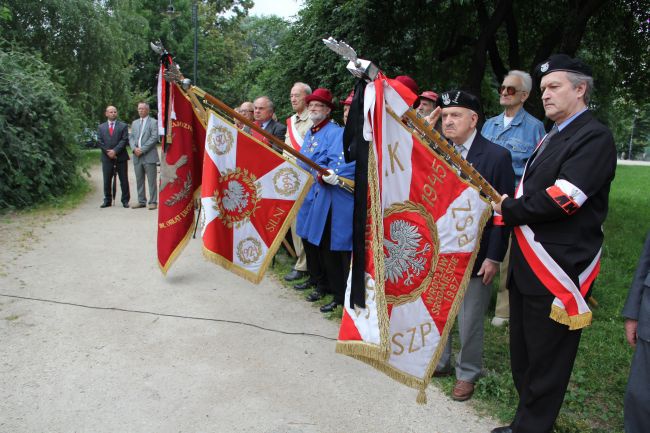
point(304, 285)
point(126, 205)
point(504, 429)
point(103, 205)
point(315, 296)
point(329, 307)
point(295, 275)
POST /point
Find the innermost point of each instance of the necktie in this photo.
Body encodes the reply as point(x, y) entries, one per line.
point(110, 128)
point(141, 131)
point(545, 142)
point(460, 149)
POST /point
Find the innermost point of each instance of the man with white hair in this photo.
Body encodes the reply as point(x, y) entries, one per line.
point(325, 218)
point(519, 132)
point(557, 215)
point(297, 126)
point(460, 113)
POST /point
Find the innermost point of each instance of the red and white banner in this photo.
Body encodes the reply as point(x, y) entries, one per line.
point(250, 194)
point(294, 136)
point(423, 233)
point(180, 177)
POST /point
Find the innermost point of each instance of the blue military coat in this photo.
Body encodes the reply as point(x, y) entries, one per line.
point(324, 145)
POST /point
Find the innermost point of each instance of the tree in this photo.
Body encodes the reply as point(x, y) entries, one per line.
point(37, 150)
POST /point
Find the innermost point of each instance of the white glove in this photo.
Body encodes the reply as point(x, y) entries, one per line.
point(331, 177)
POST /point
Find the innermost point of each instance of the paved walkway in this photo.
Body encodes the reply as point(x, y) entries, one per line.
point(124, 349)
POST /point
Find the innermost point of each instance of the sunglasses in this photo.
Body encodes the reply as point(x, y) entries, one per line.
point(509, 90)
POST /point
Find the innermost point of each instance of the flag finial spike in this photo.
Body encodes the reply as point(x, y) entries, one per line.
point(358, 67)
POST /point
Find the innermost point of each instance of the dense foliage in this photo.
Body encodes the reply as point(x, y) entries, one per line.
point(37, 154)
point(100, 49)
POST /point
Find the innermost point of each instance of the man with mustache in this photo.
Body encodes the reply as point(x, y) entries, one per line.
point(460, 112)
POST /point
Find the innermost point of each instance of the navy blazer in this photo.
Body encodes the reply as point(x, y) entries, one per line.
point(584, 154)
point(494, 163)
point(118, 142)
point(637, 306)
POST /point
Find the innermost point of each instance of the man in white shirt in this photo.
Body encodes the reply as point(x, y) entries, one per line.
point(143, 141)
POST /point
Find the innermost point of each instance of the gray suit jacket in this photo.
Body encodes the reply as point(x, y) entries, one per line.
point(147, 143)
point(637, 306)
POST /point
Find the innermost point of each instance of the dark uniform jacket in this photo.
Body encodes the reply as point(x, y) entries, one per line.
point(119, 141)
point(637, 306)
point(494, 163)
point(584, 154)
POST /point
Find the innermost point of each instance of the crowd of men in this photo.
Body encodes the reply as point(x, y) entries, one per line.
point(554, 190)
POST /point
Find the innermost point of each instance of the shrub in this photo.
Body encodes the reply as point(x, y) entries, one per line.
point(38, 156)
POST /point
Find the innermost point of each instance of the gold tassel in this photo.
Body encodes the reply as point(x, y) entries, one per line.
point(422, 397)
point(574, 322)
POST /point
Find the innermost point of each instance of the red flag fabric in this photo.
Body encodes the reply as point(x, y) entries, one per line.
point(423, 232)
point(250, 195)
point(180, 177)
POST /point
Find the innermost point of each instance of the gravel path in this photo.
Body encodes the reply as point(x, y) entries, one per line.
point(110, 345)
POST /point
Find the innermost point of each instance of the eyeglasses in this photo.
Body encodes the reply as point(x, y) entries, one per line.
point(510, 90)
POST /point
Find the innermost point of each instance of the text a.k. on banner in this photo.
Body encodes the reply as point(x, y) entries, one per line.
point(180, 177)
point(250, 195)
point(423, 231)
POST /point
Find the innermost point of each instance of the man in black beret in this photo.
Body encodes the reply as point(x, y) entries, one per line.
point(557, 213)
point(460, 111)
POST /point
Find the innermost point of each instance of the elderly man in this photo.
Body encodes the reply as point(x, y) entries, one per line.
point(297, 126)
point(324, 220)
point(113, 138)
point(426, 103)
point(557, 214)
point(460, 113)
point(519, 132)
point(263, 114)
point(143, 140)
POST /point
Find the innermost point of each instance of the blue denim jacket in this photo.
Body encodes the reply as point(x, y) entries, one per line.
point(520, 137)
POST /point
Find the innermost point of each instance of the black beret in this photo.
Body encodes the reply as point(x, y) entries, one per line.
point(562, 62)
point(459, 98)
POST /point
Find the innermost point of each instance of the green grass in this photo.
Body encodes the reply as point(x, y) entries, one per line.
point(594, 400)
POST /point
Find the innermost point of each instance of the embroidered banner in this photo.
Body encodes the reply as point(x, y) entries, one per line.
point(250, 195)
point(423, 232)
point(180, 177)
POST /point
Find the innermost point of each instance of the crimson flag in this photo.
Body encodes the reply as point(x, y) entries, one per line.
point(180, 177)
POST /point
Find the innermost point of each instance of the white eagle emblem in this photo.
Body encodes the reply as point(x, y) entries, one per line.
point(235, 197)
point(445, 98)
point(403, 254)
point(544, 67)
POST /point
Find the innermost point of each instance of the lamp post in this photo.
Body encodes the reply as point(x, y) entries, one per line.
point(629, 151)
point(171, 13)
point(195, 23)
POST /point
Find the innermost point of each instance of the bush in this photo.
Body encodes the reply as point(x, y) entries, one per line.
point(38, 156)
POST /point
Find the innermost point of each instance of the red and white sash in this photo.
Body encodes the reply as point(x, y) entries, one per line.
point(569, 306)
point(294, 136)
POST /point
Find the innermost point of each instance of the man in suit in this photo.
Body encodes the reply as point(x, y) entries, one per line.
point(113, 137)
point(557, 213)
point(263, 114)
point(143, 141)
point(460, 112)
point(637, 332)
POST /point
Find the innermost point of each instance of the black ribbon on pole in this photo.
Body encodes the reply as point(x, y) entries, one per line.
point(355, 148)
